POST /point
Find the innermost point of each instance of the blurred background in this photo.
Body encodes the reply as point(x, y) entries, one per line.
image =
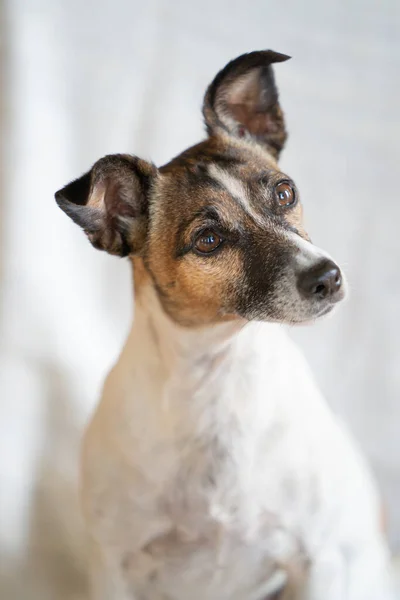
point(83, 79)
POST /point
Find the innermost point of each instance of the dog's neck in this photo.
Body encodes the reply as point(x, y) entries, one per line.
point(219, 385)
point(180, 348)
point(187, 361)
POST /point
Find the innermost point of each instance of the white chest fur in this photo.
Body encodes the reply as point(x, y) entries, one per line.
point(213, 467)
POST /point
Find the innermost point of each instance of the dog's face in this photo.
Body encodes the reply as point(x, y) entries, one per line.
point(219, 228)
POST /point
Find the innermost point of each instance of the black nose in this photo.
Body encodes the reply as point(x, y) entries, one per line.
point(322, 281)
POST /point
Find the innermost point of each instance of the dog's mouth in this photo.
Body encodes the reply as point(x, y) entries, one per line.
point(326, 310)
point(322, 308)
point(310, 319)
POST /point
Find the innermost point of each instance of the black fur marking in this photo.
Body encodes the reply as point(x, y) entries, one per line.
point(265, 258)
point(76, 192)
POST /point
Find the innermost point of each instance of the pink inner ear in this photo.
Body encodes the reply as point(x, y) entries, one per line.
point(246, 102)
point(119, 201)
point(254, 121)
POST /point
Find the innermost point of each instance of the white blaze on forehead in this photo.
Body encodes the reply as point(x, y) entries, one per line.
point(236, 189)
point(232, 185)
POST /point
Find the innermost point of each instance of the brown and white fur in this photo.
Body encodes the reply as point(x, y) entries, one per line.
point(213, 469)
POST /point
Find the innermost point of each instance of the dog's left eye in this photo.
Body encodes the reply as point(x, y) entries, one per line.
point(207, 241)
point(285, 194)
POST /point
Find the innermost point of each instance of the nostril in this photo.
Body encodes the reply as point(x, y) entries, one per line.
point(320, 289)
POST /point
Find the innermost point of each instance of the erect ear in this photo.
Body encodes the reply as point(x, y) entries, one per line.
point(110, 203)
point(243, 100)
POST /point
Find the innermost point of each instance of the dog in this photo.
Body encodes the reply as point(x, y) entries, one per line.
point(212, 468)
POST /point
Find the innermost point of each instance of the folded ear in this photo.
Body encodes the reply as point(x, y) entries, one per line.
point(243, 100)
point(110, 203)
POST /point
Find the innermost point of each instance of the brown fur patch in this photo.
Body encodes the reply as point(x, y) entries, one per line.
point(202, 289)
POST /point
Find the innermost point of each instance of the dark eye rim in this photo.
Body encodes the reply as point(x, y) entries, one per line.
point(202, 232)
point(295, 194)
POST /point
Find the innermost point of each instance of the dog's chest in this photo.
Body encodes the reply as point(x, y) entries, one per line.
point(235, 516)
point(247, 489)
point(239, 464)
point(221, 487)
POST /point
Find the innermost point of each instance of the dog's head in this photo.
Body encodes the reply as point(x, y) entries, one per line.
point(219, 228)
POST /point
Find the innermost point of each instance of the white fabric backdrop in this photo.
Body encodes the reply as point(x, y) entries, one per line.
point(87, 78)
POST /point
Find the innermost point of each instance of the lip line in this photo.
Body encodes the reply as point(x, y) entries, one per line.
point(325, 310)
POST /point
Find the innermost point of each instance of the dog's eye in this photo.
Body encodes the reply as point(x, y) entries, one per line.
point(285, 194)
point(207, 241)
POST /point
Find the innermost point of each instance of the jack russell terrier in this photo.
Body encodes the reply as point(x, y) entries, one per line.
point(213, 469)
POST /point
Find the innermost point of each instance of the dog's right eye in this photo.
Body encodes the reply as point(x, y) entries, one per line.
point(207, 241)
point(285, 194)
